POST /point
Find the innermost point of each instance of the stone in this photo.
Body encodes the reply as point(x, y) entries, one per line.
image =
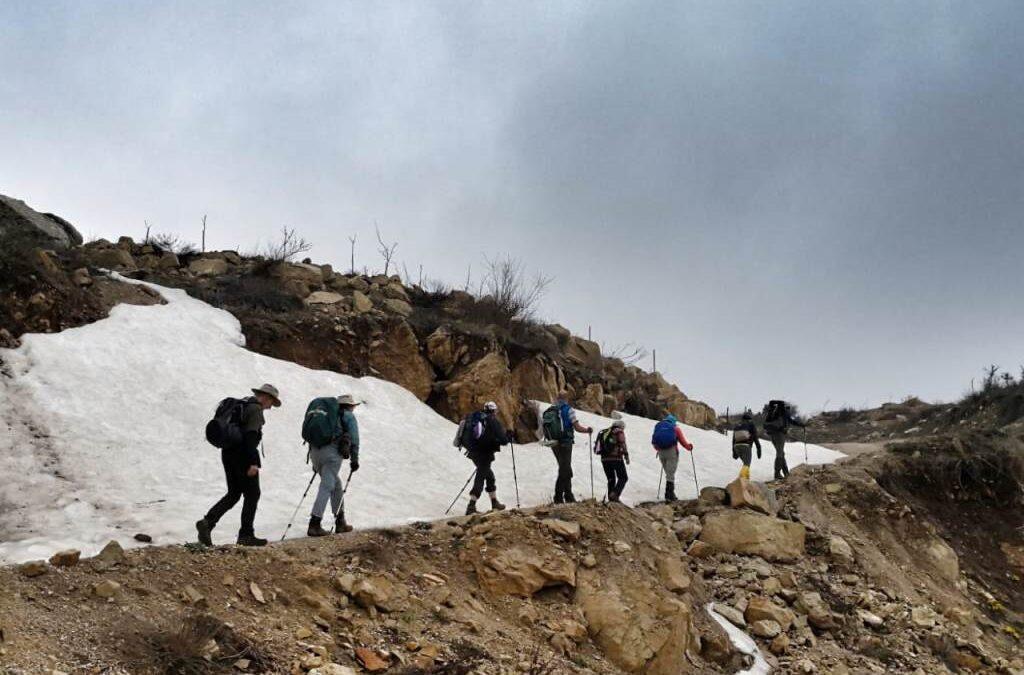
point(108, 588)
point(111, 554)
point(523, 571)
point(771, 586)
point(332, 669)
point(396, 291)
point(324, 298)
point(361, 303)
point(687, 529)
point(397, 358)
point(563, 528)
point(17, 217)
point(143, 538)
point(730, 614)
point(67, 558)
point(80, 277)
point(869, 619)
point(575, 630)
point(746, 494)
point(303, 633)
point(750, 533)
point(621, 547)
point(589, 561)
point(373, 592)
point(400, 307)
point(780, 645)
point(310, 276)
point(208, 267)
point(833, 488)
point(699, 549)
point(192, 595)
point(819, 614)
point(840, 550)
point(672, 574)
point(765, 628)
point(760, 608)
point(712, 496)
point(924, 617)
point(370, 660)
point(33, 568)
point(943, 559)
point(257, 593)
point(110, 258)
point(486, 379)
point(538, 378)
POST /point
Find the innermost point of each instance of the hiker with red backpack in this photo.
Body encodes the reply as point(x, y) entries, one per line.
point(237, 429)
point(611, 446)
point(482, 434)
point(778, 417)
point(666, 439)
point(332, 432)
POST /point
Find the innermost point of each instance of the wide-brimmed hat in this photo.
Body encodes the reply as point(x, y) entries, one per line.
point(271, 391)
point(346, 399)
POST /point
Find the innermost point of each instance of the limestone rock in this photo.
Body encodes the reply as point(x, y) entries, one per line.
point(563, 528)
point(944, 559)
point(108, 588)
point(817, 610)
point(33, 568)
point(746, 494)
point(538, 379)
point(487, 379)
point(324, 298)
point(712, 496)
point(523, 571)
point(376, 591)
point(111, 554)
point(731, 614)
point(110, 258)
point(672, 574)
point(699, 549)
point(400, 307)
point(761, 608)
point(687, 529)
point(766, 628)
point(310, 276)
point(780, 645)
point(361, 303)
point(397, 358)
point(924, 617)
point(68, 558)
point(332, 669)
point(749, 533)
point(208, 267)
point(839, 550)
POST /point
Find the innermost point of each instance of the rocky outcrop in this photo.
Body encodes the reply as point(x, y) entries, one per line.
point(746, 494)
point(488, 379)
point(743, 531)
point(44, 229)
point(395, 356)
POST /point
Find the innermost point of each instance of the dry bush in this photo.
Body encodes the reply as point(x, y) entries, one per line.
point(287, 247)
point(513, 294)
point(166, 241)
point(198, 644)
point(629, 353)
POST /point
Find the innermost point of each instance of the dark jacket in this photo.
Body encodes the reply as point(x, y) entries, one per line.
point(492, 437)
point(750, 428)
point(614, 448)
point(247, 453)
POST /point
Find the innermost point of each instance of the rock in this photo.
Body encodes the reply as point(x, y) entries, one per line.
point(924, 617)
point(771, 586)
point(761, 608)
point(361, 303)
point(375, 591)
point(712, 496)
point(303, 633)
point(840, 551)
point(765, 628)
point(400, 307)
point(944, 559)
point(528, 615)
point(298, 274)
point(869, 619)
point(819, 614)
point(110, 258)
point(687, 529)
point(750, 533)
point(33, 568)
point(746, 494)
point(584, 352)
point(193, 596)
point(699, 549)
point(621, 547)
point(443, 351)
point(369, 660)
point(208, 267)
point(522, 571)
point(833, 488)
point(324, 298)
point(257, 593)
point(780, 645)
point(332, 669)
point(67, 558)
point(397, 358)
point(731, 614)
point(143, 538)
point(672, 574)
point(805, 666)
point(563, 528)
point(80, 277)
point(592, 399)
point(111, 554)
point(575, 630)
point(18, 218)
point(589, 561)
point(487, 379)
point(108, 588)
point(168, 261)
point(538, 379)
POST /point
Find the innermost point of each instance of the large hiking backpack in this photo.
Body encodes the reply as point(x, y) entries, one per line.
point(471, 430)
point(606, 444)
point(225, 429)
point(775, 416)
point(742, 436)
point(664, 436)
point(553, 426)
point(322, 422)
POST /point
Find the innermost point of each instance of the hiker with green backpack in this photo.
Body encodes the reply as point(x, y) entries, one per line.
point(558, 424)
point(611, 446)
point(331, 430)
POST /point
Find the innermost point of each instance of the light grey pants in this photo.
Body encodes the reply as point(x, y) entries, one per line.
point(327, 462)
point(669, 462)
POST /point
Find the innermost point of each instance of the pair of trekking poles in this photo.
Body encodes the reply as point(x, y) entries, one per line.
point(341, 505)
point(693, 463)
point(515, 480)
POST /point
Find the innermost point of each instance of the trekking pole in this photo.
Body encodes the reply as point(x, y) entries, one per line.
point(298, 507)
point(452, 505)
point(660, 476)
point(694, 463)
point(805, 445)
point(590, 451)
point(515, 478)
point(344, 491)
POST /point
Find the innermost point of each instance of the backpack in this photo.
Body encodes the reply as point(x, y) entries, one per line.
point(322, 421)
point(471, 430)
point(225, 429)
point(606, 444)
point(664, 435)
point(775, 416)
point(741, 437)
point(553, 426)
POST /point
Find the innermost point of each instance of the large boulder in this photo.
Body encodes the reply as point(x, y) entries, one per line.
point(943, 559)
point(592, 400)
point(298, 277)
point(110, 258)
point(487, 379)
point(746, 494)
point(44, 229)
point(208, 267)
point(443, 351)
point(523, 570)
point(749, 533)
point(538, 379)
point(396, 357)
point(584, 352)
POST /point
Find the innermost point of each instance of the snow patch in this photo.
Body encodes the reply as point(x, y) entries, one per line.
point(742, 642)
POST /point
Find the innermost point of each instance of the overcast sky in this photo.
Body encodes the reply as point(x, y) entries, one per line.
point(820, 201)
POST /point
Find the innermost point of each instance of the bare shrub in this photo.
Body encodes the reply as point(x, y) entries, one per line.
point(387, 251)
point(198, 644)
point(512, 294)
point(287, 247)
point(629, 353)
point(166, 241)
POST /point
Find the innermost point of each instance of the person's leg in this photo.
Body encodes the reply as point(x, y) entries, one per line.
point(327, 463)
point(251, 498)
point(743, 452)
point(623, 478)
point(479, 478)
point(234, 493)
point(779, 441)
point(670, 462)
point(565, 471)
point(492, 486)
point(610, 474)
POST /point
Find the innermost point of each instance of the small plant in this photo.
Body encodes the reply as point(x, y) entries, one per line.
point(171, 242)
point(387, 251)
point(198, 644)
point(287, 247)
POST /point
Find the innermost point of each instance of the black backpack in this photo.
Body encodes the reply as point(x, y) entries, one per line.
point(775, 417)
point(225, 429)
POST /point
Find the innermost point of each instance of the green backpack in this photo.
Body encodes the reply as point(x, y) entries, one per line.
point(322, 422)
point(552, 426)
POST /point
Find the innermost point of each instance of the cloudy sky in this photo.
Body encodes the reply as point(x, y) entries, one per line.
point(820, 201)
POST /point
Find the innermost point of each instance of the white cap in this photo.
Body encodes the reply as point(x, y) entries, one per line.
point(619, 424)
point(491, 406)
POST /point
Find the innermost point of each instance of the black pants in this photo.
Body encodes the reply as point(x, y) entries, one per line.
point(744, 453)
point(781, 468)
point(615, 472)
point(484, 474)
point(240, 486)
point(563, 484)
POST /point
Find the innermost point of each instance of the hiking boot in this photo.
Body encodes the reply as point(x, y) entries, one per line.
point(559, 499)
point(340, 526)
point(570, 498)
point(471, 507)
point(670, 492)
point(203, 527)
point(250, 540)
point(495, 504)
point(314, 529)
point(613, 497)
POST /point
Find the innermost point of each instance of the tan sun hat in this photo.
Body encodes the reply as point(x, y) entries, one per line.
point(271, 391)
point(347, 399)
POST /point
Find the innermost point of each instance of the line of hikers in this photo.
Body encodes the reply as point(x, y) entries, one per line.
point(331, 430)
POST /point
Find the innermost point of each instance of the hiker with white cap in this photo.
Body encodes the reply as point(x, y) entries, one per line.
point(482, 435)
point(241, 460)
point(332, 432)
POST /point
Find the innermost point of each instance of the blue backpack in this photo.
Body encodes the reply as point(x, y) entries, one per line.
point(664, 436)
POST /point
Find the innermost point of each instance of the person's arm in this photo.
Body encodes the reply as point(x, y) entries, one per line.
point(576, 423)
point(252, 434)
point(682, 439)
point(620, 435)
point(353, 437)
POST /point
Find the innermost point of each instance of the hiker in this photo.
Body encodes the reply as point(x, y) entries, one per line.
point(743, 435)
point(559, 424)
point(482, 435)
point(611, 445)
point(666, 440)
point(241, 460)
point(341, 430)
point(778, 416)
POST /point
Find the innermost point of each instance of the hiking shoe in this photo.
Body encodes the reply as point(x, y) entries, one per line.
point(496, 505)
point(613, 497)
point(570, 498)
point(340, 526)
point(203, 528)
point(471, 507)
point(314, 529)
point(250, 540)
point(559, 499)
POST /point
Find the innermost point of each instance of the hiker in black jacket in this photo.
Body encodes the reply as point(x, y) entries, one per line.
point(242, 470)
point(778, 416)
point(743, 435)
point(492, 436)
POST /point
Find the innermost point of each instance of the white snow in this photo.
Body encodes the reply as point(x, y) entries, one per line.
point(105, 438)
point(742, 642)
